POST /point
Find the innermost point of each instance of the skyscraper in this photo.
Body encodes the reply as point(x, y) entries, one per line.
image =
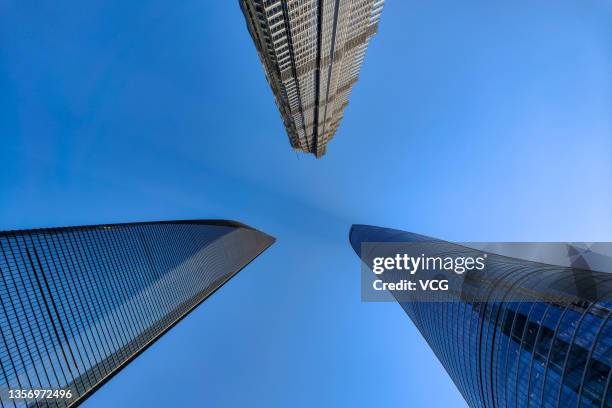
point(311, 51)
point(520, 334)
point(77, 304)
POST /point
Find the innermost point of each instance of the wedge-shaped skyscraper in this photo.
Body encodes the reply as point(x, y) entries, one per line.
point(518, 333)
point(77, 304)
point(311, 51)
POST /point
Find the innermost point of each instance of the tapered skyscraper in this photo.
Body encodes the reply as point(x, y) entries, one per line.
point(517, 333)
point(77, 304)
point(311, 51)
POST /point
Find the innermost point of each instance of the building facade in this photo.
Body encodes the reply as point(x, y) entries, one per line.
point(529, 335)
point(77, 304)
point(311, 51)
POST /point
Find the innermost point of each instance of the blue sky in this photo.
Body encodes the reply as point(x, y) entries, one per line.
point(474, 121)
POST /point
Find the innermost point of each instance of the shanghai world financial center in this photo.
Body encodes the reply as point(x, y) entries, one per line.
point(77, 304)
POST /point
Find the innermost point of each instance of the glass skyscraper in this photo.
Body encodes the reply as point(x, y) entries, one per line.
point(79, 303)
point(537, 335)
point(311, 52)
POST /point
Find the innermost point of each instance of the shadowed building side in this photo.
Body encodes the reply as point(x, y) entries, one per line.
point(521, 348)
point(78, 303)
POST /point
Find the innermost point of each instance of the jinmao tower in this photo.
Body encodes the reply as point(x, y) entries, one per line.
point(518, 332)
point(77, 304)
point(311, 52)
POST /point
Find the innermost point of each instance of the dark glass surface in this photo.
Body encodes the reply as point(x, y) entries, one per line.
point(528, 353)
point(78, 303)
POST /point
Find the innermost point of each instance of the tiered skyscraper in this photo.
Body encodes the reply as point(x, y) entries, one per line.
point(311, 51)
point(520, 333)
point(77, 304)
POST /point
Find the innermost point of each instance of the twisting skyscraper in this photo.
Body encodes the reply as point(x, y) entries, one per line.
point(517, 333)
point(79, 303)
point(311, 51)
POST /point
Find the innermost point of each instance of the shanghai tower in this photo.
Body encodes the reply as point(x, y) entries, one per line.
point(520, 333)
point(311, 52)
point(79, 303)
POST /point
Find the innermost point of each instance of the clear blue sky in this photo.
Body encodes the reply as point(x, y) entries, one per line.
point(476, 120)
